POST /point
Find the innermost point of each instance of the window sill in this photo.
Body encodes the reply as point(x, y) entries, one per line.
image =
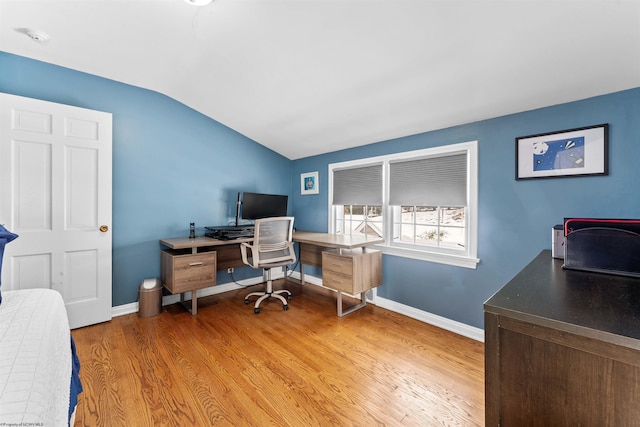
point(455, 260)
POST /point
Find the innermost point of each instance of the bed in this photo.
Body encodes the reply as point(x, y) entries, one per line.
point(39, 383)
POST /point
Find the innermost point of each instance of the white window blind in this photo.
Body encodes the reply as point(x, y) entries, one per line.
point(358, 186)
point(431, 181)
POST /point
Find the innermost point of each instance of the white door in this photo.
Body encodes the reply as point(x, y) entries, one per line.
point(55, 193)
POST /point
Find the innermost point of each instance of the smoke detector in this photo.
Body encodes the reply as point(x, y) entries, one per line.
point(35, 35)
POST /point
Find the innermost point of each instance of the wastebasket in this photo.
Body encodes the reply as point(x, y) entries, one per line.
point(150, 298)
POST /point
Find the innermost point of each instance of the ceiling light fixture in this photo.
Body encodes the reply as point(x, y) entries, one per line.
point(198, 2)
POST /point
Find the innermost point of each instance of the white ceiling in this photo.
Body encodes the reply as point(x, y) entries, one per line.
point(306, 77)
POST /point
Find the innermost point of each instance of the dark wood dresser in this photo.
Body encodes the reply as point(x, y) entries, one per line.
point(562, 348)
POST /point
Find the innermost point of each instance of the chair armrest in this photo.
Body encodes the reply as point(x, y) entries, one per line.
point(245, 256)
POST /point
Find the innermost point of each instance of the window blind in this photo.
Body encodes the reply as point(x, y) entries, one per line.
point(431, 181)
point(358, 186)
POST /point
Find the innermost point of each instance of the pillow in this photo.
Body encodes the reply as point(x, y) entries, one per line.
point(5, 237)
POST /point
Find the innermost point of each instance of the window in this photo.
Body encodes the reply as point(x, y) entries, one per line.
point(360, 219)
point(430, 226)
point(423, 203)
point(357, 197)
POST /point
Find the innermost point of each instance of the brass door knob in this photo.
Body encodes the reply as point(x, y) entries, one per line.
point(104, 228)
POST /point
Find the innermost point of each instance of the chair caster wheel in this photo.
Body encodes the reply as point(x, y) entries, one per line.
point(289, 297)
point(256, 310)
point(285, 307)
point(246, 301)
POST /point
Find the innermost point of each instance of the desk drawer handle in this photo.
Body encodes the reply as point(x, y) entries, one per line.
point(192, 264)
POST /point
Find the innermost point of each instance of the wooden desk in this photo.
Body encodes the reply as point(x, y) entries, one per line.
point(562, 347)
point(313, 244)
point(191, 264)
point(347, 266)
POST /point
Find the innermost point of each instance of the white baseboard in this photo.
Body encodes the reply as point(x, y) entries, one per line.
point(432, 319)
point(121, 310)
point(423, 316)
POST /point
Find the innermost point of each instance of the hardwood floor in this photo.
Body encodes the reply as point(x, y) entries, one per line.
point(303, 367)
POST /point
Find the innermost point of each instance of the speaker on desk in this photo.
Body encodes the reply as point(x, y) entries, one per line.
point(557, 241)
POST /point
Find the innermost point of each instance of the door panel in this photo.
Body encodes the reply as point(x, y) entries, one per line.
point(31, 271)
point(32, 185)
point(55, 193)
point(83, 281)
point(81, 183)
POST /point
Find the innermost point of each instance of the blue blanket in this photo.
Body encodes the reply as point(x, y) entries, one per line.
point(76, 384)
point(5, 237)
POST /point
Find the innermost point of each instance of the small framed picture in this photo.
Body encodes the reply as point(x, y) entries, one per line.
point(309, 183)
point(572, 152)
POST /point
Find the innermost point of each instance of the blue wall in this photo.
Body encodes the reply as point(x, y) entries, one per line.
point(515, 217)
point(171, 164)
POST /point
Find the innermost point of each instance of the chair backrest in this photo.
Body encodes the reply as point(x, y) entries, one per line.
point(273, 240)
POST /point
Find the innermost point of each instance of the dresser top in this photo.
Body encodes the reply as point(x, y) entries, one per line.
point(576, 301)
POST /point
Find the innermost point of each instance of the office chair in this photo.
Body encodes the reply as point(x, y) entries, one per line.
point(272, 246)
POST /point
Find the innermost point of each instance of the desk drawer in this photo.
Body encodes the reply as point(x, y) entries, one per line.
point(332, 261)
point(337, 281)
point(183, 273)
point(352, 271)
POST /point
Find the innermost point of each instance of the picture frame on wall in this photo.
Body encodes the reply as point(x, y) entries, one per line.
point(573, 152)
point(309, 183)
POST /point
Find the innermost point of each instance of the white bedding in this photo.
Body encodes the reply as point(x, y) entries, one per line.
point(35, 354)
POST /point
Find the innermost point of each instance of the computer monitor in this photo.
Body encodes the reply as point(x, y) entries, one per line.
point(254, 206)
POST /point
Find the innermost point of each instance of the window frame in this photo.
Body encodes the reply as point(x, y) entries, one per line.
point(468, 257)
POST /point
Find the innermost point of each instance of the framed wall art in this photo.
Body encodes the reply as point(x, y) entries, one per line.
point(572, 152)
point(309, 183)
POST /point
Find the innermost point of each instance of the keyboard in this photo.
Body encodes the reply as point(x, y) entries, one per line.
point(230, 232)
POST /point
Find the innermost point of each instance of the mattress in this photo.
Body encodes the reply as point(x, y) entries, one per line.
point(35, 358)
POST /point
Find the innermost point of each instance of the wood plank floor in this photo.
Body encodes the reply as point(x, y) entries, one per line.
point(303, 367)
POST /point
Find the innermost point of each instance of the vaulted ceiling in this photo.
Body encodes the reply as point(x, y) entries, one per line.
point(305, 77)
